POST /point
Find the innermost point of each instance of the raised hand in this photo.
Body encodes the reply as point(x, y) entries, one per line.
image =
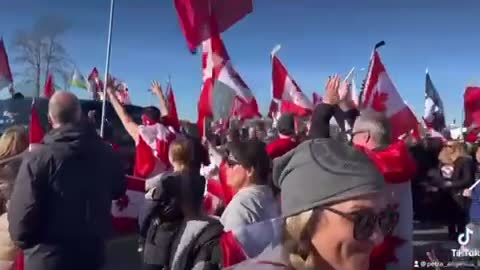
point(156, 88)
point(331, 90)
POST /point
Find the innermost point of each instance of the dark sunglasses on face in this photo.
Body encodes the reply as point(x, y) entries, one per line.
point(365, 222)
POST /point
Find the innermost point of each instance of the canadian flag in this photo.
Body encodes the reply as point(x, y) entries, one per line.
point(382, 96)
point(172, 109)
point(151, 157)
point(125, 211)
point(292, 98)
point(35, 129)
point(223, 88)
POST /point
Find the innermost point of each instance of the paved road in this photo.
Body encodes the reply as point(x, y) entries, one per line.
point(122, 253)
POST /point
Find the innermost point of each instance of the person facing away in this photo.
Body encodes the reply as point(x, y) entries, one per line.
point(286, 140)
point(61, 202)
point(13, 145)
point(247, 173)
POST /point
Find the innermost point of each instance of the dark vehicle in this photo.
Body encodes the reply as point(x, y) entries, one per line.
point(17, 112)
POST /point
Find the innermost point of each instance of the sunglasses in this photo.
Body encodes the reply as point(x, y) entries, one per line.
point(231, 162)
point(365, 221)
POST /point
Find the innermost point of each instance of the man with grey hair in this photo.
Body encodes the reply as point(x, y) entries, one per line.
point(61, 203)
point(371, 130)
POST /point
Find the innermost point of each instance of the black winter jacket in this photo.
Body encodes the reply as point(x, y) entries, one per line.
point(60, 209)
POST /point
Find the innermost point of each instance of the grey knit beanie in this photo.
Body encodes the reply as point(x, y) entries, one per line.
point(323, 171)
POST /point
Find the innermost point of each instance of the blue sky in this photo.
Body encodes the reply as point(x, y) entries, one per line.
point(318, 38)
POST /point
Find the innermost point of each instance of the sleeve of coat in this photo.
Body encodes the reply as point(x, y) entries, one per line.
point(465, 176)
point(25, 207)
point(320, 123)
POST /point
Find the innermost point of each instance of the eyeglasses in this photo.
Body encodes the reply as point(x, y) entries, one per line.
point(231, 163)
point(365, 220)
point(353, 134)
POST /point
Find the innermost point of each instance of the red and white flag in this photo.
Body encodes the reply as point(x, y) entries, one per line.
point(382, 96)
point(285, 89)
point(224, 92)
point(126, 210)
point(273, 109)
point(6, 77)
point(196, 17)
point(49, 89)
point(152, 150)
point(471, 101)
point(35, 129)
point(174, 121)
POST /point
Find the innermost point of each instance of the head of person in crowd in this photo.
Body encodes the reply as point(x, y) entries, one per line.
point(150, 116)
point(18, 95)
point(371, 130)
point(180, 155)
point(233, 135)
point(286, 125)
point(13, 142)
point(252, 133)
point(248, 164)
point(64, 108)
point(332, 198)
point(455, 150)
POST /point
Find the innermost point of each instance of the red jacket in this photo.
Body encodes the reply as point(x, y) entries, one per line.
point(281, 146)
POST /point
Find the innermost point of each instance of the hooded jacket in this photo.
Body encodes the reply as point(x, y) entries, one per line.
point(61, 203)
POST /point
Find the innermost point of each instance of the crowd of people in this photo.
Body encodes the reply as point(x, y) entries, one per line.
point(338, 198)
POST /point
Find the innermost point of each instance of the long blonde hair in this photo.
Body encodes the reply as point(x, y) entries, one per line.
point(13, 142)
point(459, 149)
point(297, 237)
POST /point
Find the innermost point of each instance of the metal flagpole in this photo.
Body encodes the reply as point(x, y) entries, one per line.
point(107, 67)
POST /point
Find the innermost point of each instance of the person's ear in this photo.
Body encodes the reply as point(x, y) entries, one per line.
point(250, 171)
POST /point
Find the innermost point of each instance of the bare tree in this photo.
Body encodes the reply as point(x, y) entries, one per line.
point(41, 52)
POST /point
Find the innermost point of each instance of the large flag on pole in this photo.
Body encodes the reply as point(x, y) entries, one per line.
point(196, 16)
point(285, 89)
point(174, 121)
point(6, 77)
point(224, 92)
point(49, 89)
point(381, 95)
point(434, 114)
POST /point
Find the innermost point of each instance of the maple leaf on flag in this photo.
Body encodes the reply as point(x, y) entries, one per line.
point(379, 100)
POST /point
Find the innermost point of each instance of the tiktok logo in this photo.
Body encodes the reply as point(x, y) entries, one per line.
point(464, 238)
